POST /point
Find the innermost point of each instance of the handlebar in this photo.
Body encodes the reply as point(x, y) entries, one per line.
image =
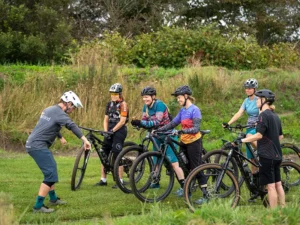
point(101, 132)
point(239, 127)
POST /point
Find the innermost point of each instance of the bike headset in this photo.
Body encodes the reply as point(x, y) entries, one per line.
point(182, 90)
point(251, 83)
point(151, 92)
point(267, 94)
point(70, 96)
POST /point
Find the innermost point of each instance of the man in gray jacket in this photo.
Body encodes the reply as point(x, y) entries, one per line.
point(42, 137)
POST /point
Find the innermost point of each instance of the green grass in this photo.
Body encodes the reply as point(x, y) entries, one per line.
point(21, 178)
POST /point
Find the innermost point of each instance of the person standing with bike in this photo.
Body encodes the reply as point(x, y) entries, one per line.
point(248, 106)
point(268, 136)
point(156, 114)
point(42, 137)
point(115, 119)
point(190, 119)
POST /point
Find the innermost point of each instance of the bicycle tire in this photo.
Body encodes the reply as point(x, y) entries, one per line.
point(126, 158)
point(289, 170)
point(233, 167)
point(290, 152)
point(210, 170)
point(141, 188)
point(79, 169)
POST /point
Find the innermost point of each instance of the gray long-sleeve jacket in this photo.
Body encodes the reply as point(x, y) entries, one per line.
point(48, 127)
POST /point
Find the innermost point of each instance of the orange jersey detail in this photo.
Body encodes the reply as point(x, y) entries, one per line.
point(124, 109)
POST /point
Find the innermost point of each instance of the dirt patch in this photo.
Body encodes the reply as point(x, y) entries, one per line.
point(7, 144)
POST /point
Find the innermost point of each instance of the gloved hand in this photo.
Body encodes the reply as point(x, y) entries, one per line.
point(108, 134)
point(225, 125)
point(238, 141)
point(136, 123)
point(177, 132)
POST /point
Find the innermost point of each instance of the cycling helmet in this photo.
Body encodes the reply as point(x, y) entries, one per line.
point(148, 91)
point(267, 94)
point(70, 96)
point(116, 88)
point(251, 83)
point(182, 90)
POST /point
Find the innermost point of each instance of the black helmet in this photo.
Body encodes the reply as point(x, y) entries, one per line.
point(116, 88)
point(183, 90)
point(251, 83)
point(267, 94)
point(148, 91)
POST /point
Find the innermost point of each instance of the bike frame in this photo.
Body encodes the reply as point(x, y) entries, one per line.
point(95, 142)
point(236, 153)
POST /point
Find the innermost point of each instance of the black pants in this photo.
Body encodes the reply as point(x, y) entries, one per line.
point(115, 142)
point(194, 155)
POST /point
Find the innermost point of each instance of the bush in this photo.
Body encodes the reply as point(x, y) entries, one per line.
point(176, 47)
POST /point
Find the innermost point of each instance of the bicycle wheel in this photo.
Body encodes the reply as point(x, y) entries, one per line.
point(214, 173)
point(219, 157)
point(79, 168)
point(126, 158)
point(290, 175)
point(290, 152)
point(163, 180)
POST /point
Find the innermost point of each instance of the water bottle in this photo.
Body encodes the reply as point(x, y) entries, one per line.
point(247, 170)
point(103, 156)
point(183, 157)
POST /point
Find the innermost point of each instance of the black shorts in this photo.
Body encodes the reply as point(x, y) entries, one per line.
point(116, 141)
point(269, 172)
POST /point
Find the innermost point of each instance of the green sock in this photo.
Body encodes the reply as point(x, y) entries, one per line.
point(39, 202)
point(52, 195)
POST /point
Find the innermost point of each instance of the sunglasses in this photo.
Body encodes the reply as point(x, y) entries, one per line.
point(114, 94)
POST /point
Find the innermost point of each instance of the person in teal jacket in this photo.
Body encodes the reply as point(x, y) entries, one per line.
point(155, 115)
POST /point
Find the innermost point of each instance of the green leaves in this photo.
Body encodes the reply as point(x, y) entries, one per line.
point(177, 47)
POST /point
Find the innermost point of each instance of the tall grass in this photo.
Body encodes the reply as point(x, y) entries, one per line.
point(6, 210)
point(218, 91)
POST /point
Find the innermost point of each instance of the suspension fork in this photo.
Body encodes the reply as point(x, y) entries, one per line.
point(224, 168)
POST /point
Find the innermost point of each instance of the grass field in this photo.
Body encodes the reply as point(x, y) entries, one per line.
point(20, 180)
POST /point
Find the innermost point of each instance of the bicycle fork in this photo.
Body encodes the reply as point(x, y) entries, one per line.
point(224, 168)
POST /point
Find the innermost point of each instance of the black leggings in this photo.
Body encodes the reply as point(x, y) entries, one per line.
point(194, 155)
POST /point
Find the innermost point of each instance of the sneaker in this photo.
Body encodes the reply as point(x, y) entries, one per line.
point(253, 197)
point(201, 201)
point(179, 192)
point(57, 202)
point(154, 185)
point(115, 186)
point(101, 183)
point(43, 209)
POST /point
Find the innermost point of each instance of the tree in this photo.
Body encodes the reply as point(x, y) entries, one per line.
point(270, 21)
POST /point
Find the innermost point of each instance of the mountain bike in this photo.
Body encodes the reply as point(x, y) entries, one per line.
point(157, 169)
point(220, 175)
point(126, 158)
point(83, 156)
point(219, 157)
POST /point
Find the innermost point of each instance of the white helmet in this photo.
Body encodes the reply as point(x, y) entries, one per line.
point(251, 83)
point(116, 88)
point(70, 96)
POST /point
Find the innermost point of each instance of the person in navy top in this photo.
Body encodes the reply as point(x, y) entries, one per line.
point(190, 119)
